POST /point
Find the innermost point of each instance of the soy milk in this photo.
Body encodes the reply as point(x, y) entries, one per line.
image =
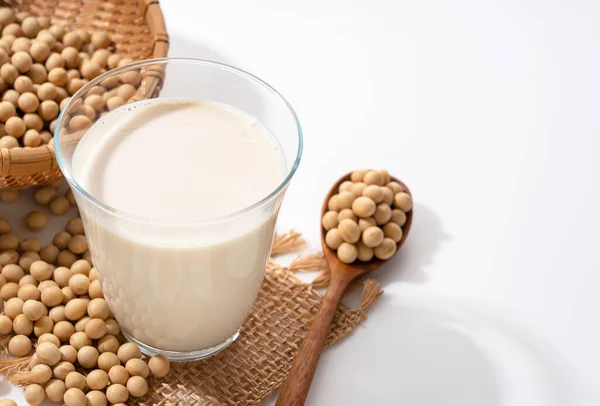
point(179, 276)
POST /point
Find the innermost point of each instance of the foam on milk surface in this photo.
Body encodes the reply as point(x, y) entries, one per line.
point(176, 287)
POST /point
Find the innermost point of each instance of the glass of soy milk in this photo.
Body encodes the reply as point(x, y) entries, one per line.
point(179, 167)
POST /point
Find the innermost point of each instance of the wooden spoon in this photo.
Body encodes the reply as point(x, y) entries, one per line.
point(296, 386)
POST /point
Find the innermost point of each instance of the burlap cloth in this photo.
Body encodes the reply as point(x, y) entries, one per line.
point(256, 364)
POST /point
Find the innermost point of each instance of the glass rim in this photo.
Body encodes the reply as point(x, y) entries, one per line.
point(163, 61)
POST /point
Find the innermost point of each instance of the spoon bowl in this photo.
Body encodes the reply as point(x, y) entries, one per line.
point(358, 266)
point(296, 386)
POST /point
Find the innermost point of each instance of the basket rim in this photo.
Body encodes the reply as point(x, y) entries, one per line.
point(27, 163)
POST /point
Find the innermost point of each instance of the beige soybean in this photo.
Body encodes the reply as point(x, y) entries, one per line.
point(98, 308)
point(41, 270)
point(112, 327)
point(9, 242)
point(43, 326)
point(61, 239)
point(12, 273)
point(383, 214)
point(81, 267)
point(78, 244)
point(349, 231)
point(137, 386)
point(59, 205)
point(128, 351)
point(347, 214)
point(345, 186)
point(34, 394)
point(32, 139)
point(395, 187)
point(28, 292)
point(75, 380)
point(36, 220)
point(68, 353)
point(364, 253)
point(95, 290)
point(9, 291)
point(358, 188)
point(358, 175)
point(49, 338)
point(403, 201)
point(68, 295)
point(108, 360)
point(27, 259)
point(28, 280)
point(388, 196)
point(374, 192)
point(6, 324)
point(40, 51)
point(40, 374)
point(333, 239)
point(386, 249)
point(159, 366)
point(137, 367)
point(75, 308)
point(364, 207)
point(15, 126)
point(49, 253)
point(63, 330)
point(95, 329)
point(347, 252)
point(55, 390)
point(47, 283)
point(48, 353)
point(75, 397)
point(118, 375)
point(330, 220)
point(22, 325)
point(62, 275)
point(79, 283)
point(13, 306)
point(37, 73)
point(96, 398)
point(373, 178)
point(372, 237)
point(108, 343)
point(23, 84)
point(33, 122)
point(57, 314)
point(19, 345)
point(117, 393)
point(87, 356)
point(22, 61)
point(393, 231)
point(398, 217)
point(31, 244)
point(62, 369)
point(11, 96)
point(7, 110)
point(66, 258)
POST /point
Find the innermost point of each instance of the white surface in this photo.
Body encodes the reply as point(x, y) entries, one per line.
point(488, 111)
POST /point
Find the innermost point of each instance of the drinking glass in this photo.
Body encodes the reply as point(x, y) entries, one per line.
point(180, 289)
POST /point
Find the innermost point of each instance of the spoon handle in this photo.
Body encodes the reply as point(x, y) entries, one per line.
point(296, 386)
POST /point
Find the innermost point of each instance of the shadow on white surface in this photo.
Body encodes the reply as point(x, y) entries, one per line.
point(410, 264)
point(4, 388)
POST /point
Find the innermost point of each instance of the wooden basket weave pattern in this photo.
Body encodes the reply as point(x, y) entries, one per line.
point(138, 30)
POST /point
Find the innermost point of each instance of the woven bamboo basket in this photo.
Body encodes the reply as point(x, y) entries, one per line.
point(138, 31)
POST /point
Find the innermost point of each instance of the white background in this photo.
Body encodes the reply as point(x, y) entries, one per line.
point(489, 111)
